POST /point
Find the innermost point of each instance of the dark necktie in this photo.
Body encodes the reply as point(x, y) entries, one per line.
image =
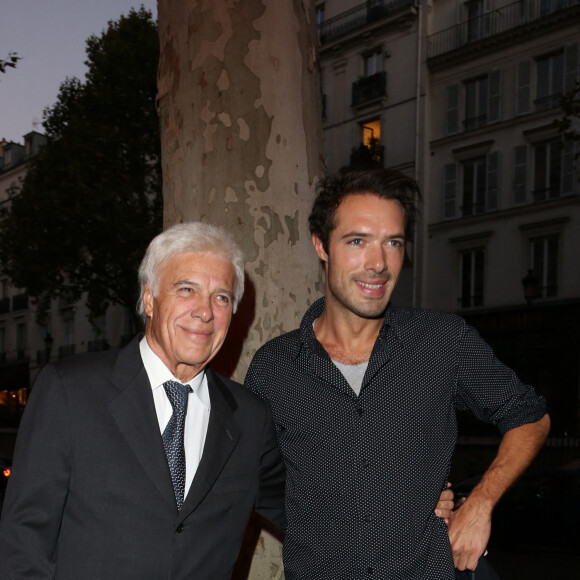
point(173, 437)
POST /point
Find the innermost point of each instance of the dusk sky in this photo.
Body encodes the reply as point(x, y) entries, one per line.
point(49, 36)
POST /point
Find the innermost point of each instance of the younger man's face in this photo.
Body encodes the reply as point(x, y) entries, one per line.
point(365, 255)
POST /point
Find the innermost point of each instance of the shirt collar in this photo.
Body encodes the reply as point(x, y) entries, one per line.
point(158, 374)
point(393, 321)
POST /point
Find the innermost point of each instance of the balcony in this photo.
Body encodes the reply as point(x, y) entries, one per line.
point(548, 102)
point(546, 193)
point(369, 89)
point(369, 12)
point(487, 30)
point(473, 123)
point(368, 156)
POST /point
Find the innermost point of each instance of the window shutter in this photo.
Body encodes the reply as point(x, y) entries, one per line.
point(568, 168)
point(571, 67)
point(452, 109)
point(486, 18)
point(449, 190)
point(520, 174)
point(494, 97)
point(492, 189)
point(523, 92)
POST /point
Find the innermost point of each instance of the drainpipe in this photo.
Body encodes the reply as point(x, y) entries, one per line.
point(417, 145)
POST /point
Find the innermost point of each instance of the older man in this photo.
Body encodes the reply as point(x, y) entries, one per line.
point(145, 464)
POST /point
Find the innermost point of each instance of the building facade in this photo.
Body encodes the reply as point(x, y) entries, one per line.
point(465, 97)
point(373, 84)
point(504, 203)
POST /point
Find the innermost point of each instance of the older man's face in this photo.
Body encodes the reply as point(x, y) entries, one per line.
point(188, 320)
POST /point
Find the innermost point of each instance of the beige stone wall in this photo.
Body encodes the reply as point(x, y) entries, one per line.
point(238, 99)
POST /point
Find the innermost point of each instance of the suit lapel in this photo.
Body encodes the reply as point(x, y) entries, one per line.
point(222, 436)
point(134, 412)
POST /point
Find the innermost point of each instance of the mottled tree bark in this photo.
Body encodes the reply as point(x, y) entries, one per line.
point(238, 99)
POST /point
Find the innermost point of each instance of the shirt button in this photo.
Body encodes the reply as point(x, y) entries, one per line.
point(365, 463)
point(180, 528)
point(370, 570)
point(359, 411)
point(367, 519)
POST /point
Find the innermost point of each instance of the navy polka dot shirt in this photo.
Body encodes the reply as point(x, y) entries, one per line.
point(364, 472)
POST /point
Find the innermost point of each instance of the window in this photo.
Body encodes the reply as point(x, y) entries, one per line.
point(372, 85)
point(553, 169)
point(320, 18)
point(482, 100)
point(371, 132)
point(550, 84)
point(373, 62)
point(478, 19)
point(320, 14)
point(479, 180)
point(544, 263)
point(370, 152)
point(555, 74)
point(4, 298)
point(524, 88)
point(452, 109)
point(471, 278)
point(449, 190)
point(20, 340)
point(474, 180)
point(520, 173)
point(475, 103)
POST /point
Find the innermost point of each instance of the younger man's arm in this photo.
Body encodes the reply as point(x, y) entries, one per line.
point(470, 526)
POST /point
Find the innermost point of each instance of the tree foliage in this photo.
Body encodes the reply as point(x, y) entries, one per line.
point(569, 124)
point(367, 156)
point(10, 62)
point(91, 199)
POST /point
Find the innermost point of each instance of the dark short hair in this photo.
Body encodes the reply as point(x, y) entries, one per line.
point(384, 183)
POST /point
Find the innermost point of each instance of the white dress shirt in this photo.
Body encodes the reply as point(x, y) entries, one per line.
point(198, 408)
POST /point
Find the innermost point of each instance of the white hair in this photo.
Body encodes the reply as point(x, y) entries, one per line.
point(189, 237)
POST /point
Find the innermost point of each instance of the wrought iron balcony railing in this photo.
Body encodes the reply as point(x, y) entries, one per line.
point(369, 88)
point(473, 123)
point(498, 21)
point(359, 16)
point(546, 193)
point(548, 102)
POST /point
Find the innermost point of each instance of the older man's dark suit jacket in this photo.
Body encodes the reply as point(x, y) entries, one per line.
point(91, 497)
